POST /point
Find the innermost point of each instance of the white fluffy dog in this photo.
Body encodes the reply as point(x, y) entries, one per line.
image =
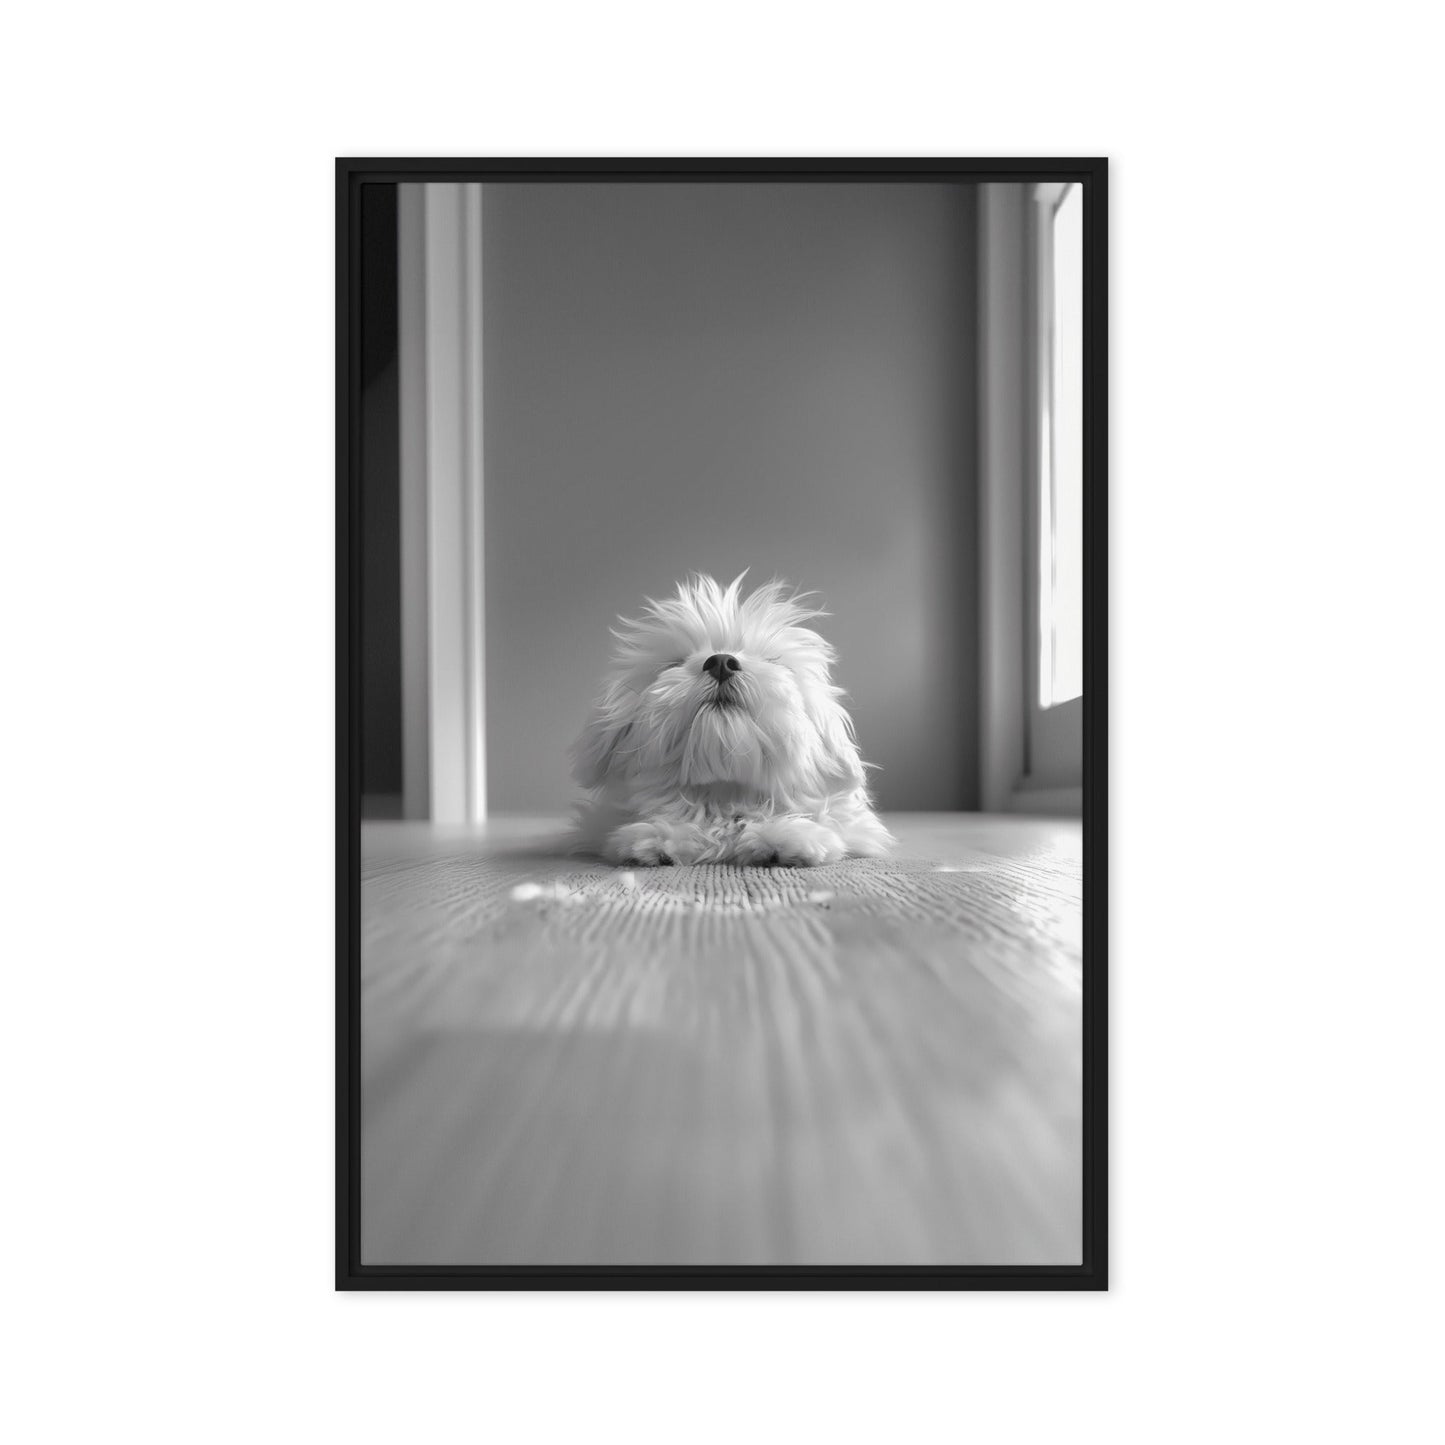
point(718, 738)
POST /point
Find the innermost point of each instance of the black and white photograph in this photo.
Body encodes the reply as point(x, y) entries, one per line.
point(723, 729)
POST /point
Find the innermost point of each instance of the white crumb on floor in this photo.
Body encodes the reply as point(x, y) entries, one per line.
point(619, 889)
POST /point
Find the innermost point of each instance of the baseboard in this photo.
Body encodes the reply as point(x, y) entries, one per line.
point(1066, 802)
point(382, 805)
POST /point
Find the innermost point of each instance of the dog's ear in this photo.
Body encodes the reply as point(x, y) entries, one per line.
point(608, 726)
point(840, 766)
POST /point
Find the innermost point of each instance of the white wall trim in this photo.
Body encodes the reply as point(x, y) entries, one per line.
point(415, 601)
point(1003, 479)
point(440, 320)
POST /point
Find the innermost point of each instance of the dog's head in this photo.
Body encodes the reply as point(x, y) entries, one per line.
point(711, 689)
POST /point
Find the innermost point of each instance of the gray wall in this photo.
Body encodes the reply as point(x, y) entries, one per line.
point(713, 377)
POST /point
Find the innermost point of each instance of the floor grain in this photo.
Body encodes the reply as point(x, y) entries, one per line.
point(876, 1062)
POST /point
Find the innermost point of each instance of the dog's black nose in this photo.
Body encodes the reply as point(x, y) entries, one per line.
point(722, 665)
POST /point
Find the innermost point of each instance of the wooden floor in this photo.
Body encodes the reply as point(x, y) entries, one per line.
point(876, 1062)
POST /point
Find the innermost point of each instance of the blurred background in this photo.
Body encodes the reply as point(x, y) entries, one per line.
point(574, 394)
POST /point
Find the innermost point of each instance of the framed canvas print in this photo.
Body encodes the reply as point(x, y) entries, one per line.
point(721, 723)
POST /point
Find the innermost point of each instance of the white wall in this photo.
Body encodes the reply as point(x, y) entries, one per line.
point(779, 377)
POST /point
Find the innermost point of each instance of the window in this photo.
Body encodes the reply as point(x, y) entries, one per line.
point(1054, 581)
point(1061, 451)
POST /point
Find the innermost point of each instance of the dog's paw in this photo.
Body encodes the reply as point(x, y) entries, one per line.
point(638, 845)
point(649, 845)
point(788, 843)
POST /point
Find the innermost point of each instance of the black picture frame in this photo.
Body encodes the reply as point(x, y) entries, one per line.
point(1092, 1274)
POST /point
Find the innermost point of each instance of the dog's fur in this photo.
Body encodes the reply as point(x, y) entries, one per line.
point(759, 768)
